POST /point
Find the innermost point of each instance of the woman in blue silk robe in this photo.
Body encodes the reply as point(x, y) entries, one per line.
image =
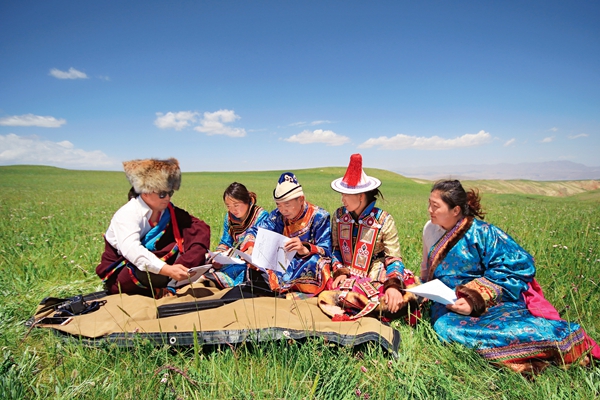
point(500, 311)
point(242, 214)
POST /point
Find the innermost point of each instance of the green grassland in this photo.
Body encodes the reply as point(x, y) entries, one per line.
point(51, 240)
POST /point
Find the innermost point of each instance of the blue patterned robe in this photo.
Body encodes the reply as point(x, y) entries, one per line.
point(489, 260)
point(228, 242)
point(234, 274)
point(313, 228)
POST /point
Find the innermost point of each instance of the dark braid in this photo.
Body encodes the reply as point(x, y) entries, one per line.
point(373, 195)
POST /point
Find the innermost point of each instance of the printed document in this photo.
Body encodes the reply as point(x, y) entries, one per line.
point(268, 253)
point(226, 258)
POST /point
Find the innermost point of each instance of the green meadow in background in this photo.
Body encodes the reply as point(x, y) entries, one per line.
point(51, 240)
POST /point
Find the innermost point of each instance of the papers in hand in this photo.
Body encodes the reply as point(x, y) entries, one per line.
point(435, 290)
point(194, 274)
point(232, 256)
point(268, 253)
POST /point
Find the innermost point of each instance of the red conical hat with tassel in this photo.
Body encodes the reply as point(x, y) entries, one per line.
point(355, 180)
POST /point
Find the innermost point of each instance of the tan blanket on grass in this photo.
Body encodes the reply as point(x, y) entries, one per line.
point(127, 318)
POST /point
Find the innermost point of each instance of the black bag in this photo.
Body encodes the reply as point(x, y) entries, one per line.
point(245, 291)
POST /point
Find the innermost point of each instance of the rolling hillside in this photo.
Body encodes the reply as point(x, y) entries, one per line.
point(543, 188)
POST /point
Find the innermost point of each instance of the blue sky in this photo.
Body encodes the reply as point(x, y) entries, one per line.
point(277, 85)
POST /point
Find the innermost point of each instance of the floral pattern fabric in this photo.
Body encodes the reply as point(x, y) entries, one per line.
point(506, 332)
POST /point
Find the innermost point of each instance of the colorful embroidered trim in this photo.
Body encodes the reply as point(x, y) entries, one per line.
point(522, 351)
point(489, 291)
point(357, 256)
point(301, 225)
point(445, 244)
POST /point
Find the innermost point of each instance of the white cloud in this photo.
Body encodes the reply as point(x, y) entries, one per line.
point(104, 77)
point(313, 123)
point(329, 138)
point(320, 122)
point(400, 142)
point(177, 120)
point(213, 123)
point(547, 139)
point(554, 129)
point(32, 120)
point(578, 136)
point(510, 142)
point(72, 73)
point(16, 149)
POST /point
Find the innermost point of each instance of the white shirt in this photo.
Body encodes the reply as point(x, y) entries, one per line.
point(431, 234)
point(129, 224)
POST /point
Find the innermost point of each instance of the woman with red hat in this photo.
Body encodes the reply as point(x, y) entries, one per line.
point(365, 243)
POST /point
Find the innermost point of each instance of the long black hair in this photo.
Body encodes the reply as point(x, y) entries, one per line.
point(239, 192)
point(453, 194)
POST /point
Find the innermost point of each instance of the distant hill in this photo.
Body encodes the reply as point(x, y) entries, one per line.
point(315, 180)
point(542, 171)
point(544, 188)
point(585, 190)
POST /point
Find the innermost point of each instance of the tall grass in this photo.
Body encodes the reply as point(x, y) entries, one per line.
point(51, 234)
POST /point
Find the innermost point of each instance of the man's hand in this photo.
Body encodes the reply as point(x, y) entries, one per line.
point(175, 271)
point(296, 244)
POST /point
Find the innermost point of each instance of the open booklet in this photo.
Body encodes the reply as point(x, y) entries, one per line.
point(435, 290)
point(268, 253)
point(194, 274)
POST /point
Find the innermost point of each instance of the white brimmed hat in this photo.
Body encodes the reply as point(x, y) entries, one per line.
point(355, 180)
point(287, 188)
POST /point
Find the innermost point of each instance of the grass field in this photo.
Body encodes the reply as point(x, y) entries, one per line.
point(51, 234)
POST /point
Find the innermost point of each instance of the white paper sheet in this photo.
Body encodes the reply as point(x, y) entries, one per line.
point(194, 274)
point(435, 290)
point(226, 258)
point(268, 251)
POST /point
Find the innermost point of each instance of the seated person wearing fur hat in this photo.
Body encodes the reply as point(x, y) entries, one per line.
point(308, 227)
point(150, 241)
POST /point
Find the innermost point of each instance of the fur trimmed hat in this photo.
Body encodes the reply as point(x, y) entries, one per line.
point(152, 175)
point(287, 188)
point(355, 180)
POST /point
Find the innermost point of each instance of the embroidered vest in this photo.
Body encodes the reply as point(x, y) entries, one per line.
point(357, 254)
